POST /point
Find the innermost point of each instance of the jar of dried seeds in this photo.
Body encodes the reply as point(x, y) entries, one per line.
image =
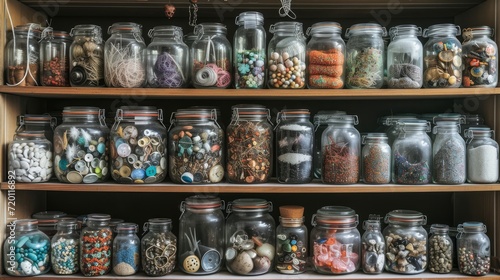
point(376, 159)
point(54, 57)
point(440, 249)
point(473, 249)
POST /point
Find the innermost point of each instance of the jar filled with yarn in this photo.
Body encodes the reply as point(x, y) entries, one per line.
point(96, 245)
point(86, 68)
point(54, 57)
point(124, 65)
point(167, 58)
point(211, 56)
point(480, 57)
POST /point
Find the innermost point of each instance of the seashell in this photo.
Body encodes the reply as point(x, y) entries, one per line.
point(261, 264)
point(242, 264)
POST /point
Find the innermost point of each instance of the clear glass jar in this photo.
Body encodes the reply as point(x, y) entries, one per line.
point(80, 146)
point(320, 124)
point(365, 56)
point(448, 151)
point(113, 223)
point(158, 247)
point(406, 242)
point(126, 250)
point(473, 249)
point(482, 156)
point(65, 248)
point(390, 126)
point(249, 51)
point(440, 249)
point(138, 145)
point(341, 150)
point(36, 123)
point(376, 159)
point(250, 237)
point(291, 241)
point(96, 245)
point(196, 145)
point(167, 58)
point(54, 57)
point(249, 145)
point(479, 54)
point(47, 221)
point(294, 146)
point(335, 240)
point(286, 56)
point(211, 56)
point(442, 56)
point(471, 120)
point(325, 56)
point(86, 68)
point(201, 231)
point(373, 246)
point(405, 61)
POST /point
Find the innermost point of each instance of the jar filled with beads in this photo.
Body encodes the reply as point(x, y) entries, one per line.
point(158, 247)
point(86, 68)
point(376, 159)
point(440, 249)
point(480, 57)
point(325, 56)
point(211, 56)
point(96, 245)
point(44, 122)
point(448, 152)
point(473, 249)
point(65, 248)
point(291, 241)
point(482, 155)
point(405, 57)
point(167, 58)
point(54, 57)
point(373, 246)
point(126, 250)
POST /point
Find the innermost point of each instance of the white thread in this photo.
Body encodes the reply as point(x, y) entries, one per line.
point(206, 76)
point(286, 9)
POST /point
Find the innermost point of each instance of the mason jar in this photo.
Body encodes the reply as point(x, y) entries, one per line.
point(405, 57)
point(479, 53)
point(126, 250)
point(96, 245)
point(373, 246)
point(390, 126)
point(65, 248)
point(44, 122)
point(440, 249)
point(376, 159)
point(47, 221)
point(54, 58)
point(473, 249)
point(471, 120)
point(320, 122)
point(30, 157)
point(291, 241)
point(86, 68)
point(482, 156)
point(158, 247)
point(448, 153)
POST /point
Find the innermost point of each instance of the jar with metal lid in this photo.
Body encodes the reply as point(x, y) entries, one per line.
point(479, 54)
point(320, 124)
point(126, 250)
point(158, 247)
point(473, 249)
point(286, 56)
point(167, 58)
point(373, 246)
point(47, 221)
point(201, 231)
point(96, 245)
point(86, 68)
point(365, 56)
point(44, 122)
point(249, 51)
point(54, 57)
point(335, 240)
point(249, 144)
point(196, 145)
point(442, 56)
point(294, 146)
point(448, 151)
point(250, 236)
point(376, 159)
point(406, 242)
point(113, 223)
point(211, 56)
point(440, 249)
point(65, 248)
point(30, 157)
point(291, 241)
point(80, 146)
point(390, 126)
point(138, 145)
point(471, 120)
point(405, 57)
point(482, 156)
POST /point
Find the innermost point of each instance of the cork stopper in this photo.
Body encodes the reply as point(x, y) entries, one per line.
point(292, 211)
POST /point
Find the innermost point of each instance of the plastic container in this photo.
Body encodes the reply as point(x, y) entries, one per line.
point(158, 247)
point(479, 54)
point(65, 248)
point(54, 58)
point(95, 253)
point(126, 250)
point(86, 67)
point(473, 249)
point(291, 241)
point(440, 249)
point(405, 57)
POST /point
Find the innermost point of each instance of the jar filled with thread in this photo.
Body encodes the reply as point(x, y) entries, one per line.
point(405, 57)
point(54, 57)
point(86, 67)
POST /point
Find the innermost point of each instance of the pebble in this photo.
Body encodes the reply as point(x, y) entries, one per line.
point(406, 254)
point(440, 254)
point(31, 162)
point(373, 257)
point(285, 69)
point(471, 263)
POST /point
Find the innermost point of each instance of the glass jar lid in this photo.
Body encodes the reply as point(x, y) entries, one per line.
point(31, 119)
point(127, 227)
point(469, 33)
point(49, 33)
point(245, 111)
point(98, 218)
point(340, 216)
point(405, 29)
point(439, 228)
point(343, 119)
point(249, 205)
point(286, 26)
point(444, 29)
point(293, 113)
point(115, 222)
point(202, 202)
point(471, 227)
point(373, 223)
point(451, 117)
point(33, 29)
point(405, 217)
point(374, 137)
point(29, 134)
point(48, 215)
point(130, 27)
point(365, 28)
point(324, 28)
point(209, 27)
point(158, 223)
point(478, 131)
point(24, 225)
point(87, 29)
point(413, 125)
point(166, 30)
point(249, 19)
point(393, 120)
point(138, 112)
point(85, 111)
point(322, 116)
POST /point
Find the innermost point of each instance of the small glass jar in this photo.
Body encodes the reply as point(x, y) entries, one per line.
point(80, 146)
point(291, 241)
point(373, 246)
point(471, 120)
point(440, 249)
point(250, 237)
point(44, 122)
point(442, 56)
point(365, 56)
point(201, 231)
point(448, 151)
point(138, 145)
point(47, 221)
point(158, 247)
point(390, 126)
point(249, 145)
point(405, 57)
point(249, 51)
point(167, 58)
point(54, 58)
point(113, 223)
point(65, 248)
point(286, 56)
point(325, 56)
point(376, 159)
point(126, 250)
point(482, 156)
point(320, 124)
point(473, 249)
point(96, 244)
point(86, 68)
point(30, 157)
point(479, 54)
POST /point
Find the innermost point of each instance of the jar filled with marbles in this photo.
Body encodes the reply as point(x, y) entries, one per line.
point(126, 250)
point(482, 155)
point(158, 247)
point(44, 122)
point(26, 251)
point(138, 145)
point(405, 57)
point(448, 151)
point(473, 249)
point(96, 245)
point(86, 68)
point(376, 159)
point(65, 248)
point(479, 57)
point(372, 246)
point(250, 237)
point(54, 57)
point(80, 146)
point(291, 241)
point(440, 249)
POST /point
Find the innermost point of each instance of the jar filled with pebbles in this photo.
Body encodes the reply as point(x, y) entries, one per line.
point(405, 57)
point(65, 248)
point(158, 247)
point(86, 68)
point(448, 152)
point(96, 245)
point(372, 246)
point(291, 241)
point(440, 249)
point(30, 157)
point(480, 55)
point(473, 249)
point(482, 155)
point(126, 250)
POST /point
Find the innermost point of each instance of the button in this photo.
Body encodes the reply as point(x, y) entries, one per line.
point(132, 158)
point(216, 173)
point(90, 178)
point(151, 171)
point(123, 150)
point(139, 151)
point(130, 132)
point(85, 170)
point(155, 158)
point(138, 164)
point(125, 171)
point(144, 141)
point(191, 264)
point(187, 178)
point(88, 157)
point(457, 61)
point(74, 177)
point(104, 171)
point(138, 174)
point(163, 163)
point(119, 141)
point(125, 180)
point(97, 170)
point(101, 139)
point(63, 164)
point(80, 153)
point(148, 132)
point(132, 141)
point(477, 71)
point(197, 177)
point(91, 148)
point(150, 180)
point(118, 162)
point(80, 165)
point(138, 182)
point(101, 148)
point(102, 164)
point(95, 163)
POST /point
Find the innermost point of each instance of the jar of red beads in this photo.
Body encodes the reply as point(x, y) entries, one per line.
point(54, 57)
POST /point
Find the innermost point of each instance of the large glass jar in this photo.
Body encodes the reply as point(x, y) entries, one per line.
point(126, 250)
point(65, 248)
point(138, 145)
point(286, 56)
point(249, 51)
point(442, 56)
point(30, 157)
point(54, 57)
point(249, 145)
point(448, 152)
point(325, 56)
point(96, 245)
point(86, 68)
point(158, 247)
point(167, 58)
point(291, 241)
point(37, 122)
point(480, 57)
point(376, 159)
point(26, 251)
point(210, 57)
point(473, 249)
point(365, 56)
point(482, 156)
point(250, 237)
point(405, 57)
point(80, 146)
point(440, 249)
point(373, 246)
point(320, 124)
point(201, 231)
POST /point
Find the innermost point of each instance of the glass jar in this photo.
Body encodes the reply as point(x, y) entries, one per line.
point(138, 145)
point(126, 250)
point(86, 68)
point(482, 156)
point(96, 245)
point(440, 249)
point(201, 231)
point(158, 247)
point(320, 124)
point(54, 57)
point(211, 57)
point(286, 56)
point(47, 221)
point(471, 120)
point(249, 145)
point(376, 159)
point(44, 123)
point(249, 51)
point(341, 149)
point(325, 56)
point(294, 146)
point(196, 145)
point(365, 56)
point(335, 240)
point(167, 58)
point(373, 246)
point(250, 237)
point(442, 56)
point(473, 249)
point(391, 128)
point(291, 241)
point(113, 223)
point(80, 146)
point(65, 248)
point(448, 151)
point(405, 57)
point(479, 52)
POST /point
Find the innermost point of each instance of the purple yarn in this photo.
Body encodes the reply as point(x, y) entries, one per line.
point(167, 72)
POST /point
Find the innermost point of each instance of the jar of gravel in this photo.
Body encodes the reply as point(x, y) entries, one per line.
point(440, 249)
point(473, 249)
point(373, 246)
